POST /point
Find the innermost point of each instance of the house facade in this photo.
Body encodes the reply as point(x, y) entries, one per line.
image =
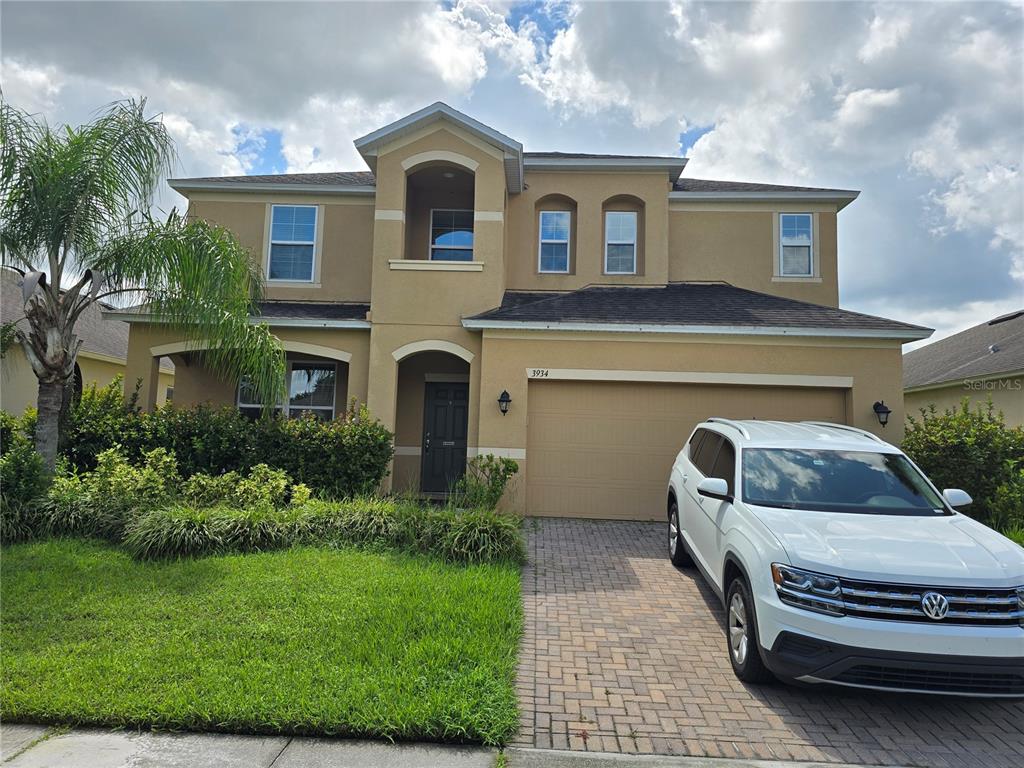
point(612, 300)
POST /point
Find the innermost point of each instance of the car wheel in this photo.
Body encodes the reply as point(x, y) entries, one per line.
point(741, 635)
point(676, 548)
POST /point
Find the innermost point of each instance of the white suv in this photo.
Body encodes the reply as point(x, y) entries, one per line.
point(838, 561)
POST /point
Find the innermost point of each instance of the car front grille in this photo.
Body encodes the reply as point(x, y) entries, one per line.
point(962, 682)
point(902, 602)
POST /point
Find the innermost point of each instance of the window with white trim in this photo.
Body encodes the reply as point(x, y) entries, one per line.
point(553, 253)
point(620, 242)
point(311, 389)
point(292, 242)
point(796, 245)
point(451, 235)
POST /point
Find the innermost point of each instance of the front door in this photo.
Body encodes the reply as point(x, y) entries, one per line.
point(445, 419)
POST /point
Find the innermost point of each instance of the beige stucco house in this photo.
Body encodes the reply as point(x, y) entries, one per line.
point(101, 359)
point(983, 363)
point(615, 301)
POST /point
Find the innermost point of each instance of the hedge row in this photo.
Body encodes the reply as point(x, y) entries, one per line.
point(155, 513)
point(345, 457)
point(460, 536)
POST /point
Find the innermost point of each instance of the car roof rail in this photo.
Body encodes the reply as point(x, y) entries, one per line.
point(846, 428)
point(734, 424)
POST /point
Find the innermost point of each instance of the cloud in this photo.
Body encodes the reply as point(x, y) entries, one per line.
point(920, 106)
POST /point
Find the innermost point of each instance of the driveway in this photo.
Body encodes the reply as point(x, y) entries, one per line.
point(624, 653)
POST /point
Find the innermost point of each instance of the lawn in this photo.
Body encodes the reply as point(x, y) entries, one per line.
point(314, 641)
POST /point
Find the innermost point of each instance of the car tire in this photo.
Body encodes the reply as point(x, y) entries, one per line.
point(676, 546)
point(741, 641)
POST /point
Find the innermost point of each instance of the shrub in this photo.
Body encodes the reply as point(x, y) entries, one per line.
point(261, 487)
point(172, 533)
point(103, 419)
point(481, 536)
point(1006, 508)
point(485, 481)
point(22, 472)
point(1015, 535)
point(102, 502)
point(969, 449)
point(205, 439)
point(23, 479)
point(342, 458)
point(183, 530)
point(345, 457)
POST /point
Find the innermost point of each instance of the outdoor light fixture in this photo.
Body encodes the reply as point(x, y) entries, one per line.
point(504, 401)
point(882, 411)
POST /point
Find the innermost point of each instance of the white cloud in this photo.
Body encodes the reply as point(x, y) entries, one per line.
point(863, 106)
point(884, 34)
point(919, 105)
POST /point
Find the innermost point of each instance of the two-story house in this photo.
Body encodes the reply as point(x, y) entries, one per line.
point(578, 313)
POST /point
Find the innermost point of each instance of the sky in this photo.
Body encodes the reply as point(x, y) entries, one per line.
point(920, 106)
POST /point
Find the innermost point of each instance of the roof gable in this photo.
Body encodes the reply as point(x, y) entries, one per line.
point(369, 145)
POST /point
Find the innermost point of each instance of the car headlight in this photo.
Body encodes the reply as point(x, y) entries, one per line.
point(806, 589)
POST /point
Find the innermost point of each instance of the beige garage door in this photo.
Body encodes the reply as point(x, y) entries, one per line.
point(604, 449)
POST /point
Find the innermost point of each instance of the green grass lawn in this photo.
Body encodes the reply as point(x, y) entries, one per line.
point(314, 641)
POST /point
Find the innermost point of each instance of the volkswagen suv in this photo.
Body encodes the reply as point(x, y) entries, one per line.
point(837, 561)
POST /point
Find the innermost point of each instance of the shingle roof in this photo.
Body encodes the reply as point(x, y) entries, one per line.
point(340, 178)
point(591, 156)
point(313, 310)
point(366, 179)
point(982, 351)
point(685, 304)
point(99, 335)
point(711, 185)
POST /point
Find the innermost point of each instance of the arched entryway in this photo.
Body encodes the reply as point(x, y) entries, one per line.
point(432, 417)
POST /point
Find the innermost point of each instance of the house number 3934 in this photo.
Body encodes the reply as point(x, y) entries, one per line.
point(539, 373)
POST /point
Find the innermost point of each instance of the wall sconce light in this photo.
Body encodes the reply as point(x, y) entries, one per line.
point(882, 411)
point(504, 401)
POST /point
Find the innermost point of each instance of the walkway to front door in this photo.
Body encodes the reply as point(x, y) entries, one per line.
point(624, 653)
point(445, 424)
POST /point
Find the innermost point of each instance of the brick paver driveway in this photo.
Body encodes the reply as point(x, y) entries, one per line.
point(624, 653)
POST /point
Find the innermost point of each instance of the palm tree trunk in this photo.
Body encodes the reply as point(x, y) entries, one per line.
point(50, 403)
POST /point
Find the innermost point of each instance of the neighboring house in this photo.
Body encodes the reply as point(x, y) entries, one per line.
point(616, 302)
point(986, 361)
point(101, 358)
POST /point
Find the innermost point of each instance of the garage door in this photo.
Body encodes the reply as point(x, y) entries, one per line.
point(604, 449)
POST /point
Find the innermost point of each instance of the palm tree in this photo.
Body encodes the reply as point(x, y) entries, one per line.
point(75, 222)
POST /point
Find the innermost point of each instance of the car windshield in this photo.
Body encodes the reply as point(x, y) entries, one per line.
point(837, 481)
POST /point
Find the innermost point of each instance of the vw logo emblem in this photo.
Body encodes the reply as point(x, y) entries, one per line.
point(934, 605)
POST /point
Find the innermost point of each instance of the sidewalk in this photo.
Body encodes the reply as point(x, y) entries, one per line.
point(31, 746)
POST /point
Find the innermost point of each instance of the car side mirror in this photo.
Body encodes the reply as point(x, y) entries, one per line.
point(715, 488)
point(957, 498)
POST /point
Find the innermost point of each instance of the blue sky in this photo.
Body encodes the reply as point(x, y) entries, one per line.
point(918, 105)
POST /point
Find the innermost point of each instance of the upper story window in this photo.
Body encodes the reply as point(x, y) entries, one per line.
point(292, 242)
point(620, 242)
point(796, 246)
point(311, 387)
point(451, 235)
point(554, 241)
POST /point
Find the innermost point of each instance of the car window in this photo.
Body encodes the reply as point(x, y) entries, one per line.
point(725, 465)
point(695, 441)
point(837, 481)
point(706, 453)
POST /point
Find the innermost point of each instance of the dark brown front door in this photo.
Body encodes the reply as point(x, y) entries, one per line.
point(445, 420)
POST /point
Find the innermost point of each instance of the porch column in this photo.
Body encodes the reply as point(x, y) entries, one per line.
point(381, 397)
